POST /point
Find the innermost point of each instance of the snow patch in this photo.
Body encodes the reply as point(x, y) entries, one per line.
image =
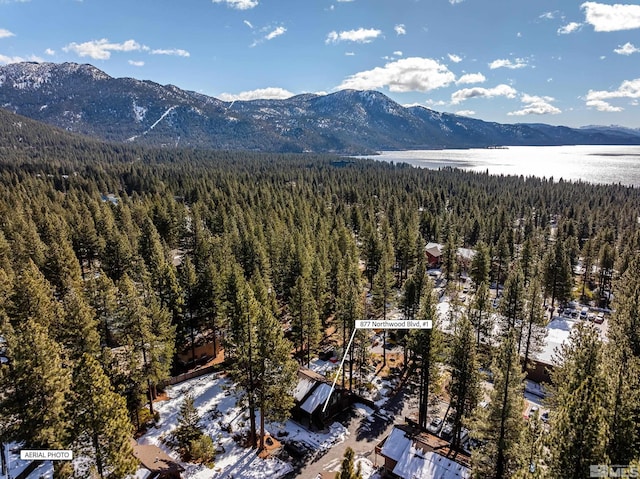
point(139, 112)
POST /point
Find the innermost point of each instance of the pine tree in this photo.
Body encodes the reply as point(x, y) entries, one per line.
point(242, 312)
point(33, 299)
point(501, 258)
point(579, 428)
point(622, 362)
point(480, 265)
point(188, 283)
point(534, 450)
point(101, 294)
point(188, 428)
point(480, 314)
point(148, 334)
point(450, 256)
point(276, 371)
point(512, 306)
point(426, 345)
point(500, 426)
point(347, 469)
point(37, 387)
point(557, 273)
point(465, 377)
point(533, 330)
point(382, 292)
point(80, 332)
point(101, 426)
point(348, 305)
point(306, 324)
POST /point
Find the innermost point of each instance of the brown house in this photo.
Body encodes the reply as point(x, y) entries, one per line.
point(310, 396)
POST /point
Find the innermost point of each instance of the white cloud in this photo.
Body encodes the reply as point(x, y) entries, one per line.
point(101, 49)
point(400, 29)
point(536, 105)
point(478, 92)
point(549, 15)
point(569, 28)
point(270, 93)
point(239, 4)
point(344, 1)
point(602, 105)
point(361, 35)
point(4, 59)
point(454, 58)
point(598, 98)
point(471, 78)
point(519, 34)
point(50, 52)
point(248, 23)
point(397, 53)
point(350, 54)
point(171, 51)
point(453, 2)
point(406, 74)
point(136, 63)
point(627, 49)
point(4, 33)
point(611, 18)
point(506, 63)
point(465, 112)
point(275, 33)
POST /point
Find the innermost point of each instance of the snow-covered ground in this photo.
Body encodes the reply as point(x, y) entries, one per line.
point(215, 399)
point(15, 465)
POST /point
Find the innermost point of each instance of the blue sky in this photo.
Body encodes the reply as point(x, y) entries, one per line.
point(560, 62)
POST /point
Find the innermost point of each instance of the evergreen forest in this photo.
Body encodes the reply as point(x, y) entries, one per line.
point(115, 260)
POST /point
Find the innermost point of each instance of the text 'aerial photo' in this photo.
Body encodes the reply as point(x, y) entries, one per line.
point(329, 239)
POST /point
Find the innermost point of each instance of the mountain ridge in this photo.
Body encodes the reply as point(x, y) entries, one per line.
point(83, 99)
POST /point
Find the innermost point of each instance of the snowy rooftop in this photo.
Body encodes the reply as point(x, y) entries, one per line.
point(413, 462)
point(396, 444)
point(303, 387)
point(417, 464)
point(319, 396)
point(558, 332)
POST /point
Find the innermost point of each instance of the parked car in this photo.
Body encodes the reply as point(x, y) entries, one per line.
point(599, 318)
point(584, 312)
point(435, 425)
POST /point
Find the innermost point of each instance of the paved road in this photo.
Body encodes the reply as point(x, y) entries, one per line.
point(363, 436)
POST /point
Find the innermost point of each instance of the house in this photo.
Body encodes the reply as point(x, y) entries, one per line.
point(433, 252)
point(310, 396)
point(159, 464)
point(410, 453)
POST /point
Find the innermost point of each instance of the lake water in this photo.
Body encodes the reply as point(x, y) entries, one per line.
point(594, 164)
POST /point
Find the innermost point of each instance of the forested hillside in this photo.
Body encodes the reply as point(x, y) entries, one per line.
point(114, 258)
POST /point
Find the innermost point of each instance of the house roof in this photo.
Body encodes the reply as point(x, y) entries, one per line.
point(154, 458)
point(316, 398)
point(303, 387)
point(395, 444)
point(417, 464)
point(434, 249)
point(420, 455)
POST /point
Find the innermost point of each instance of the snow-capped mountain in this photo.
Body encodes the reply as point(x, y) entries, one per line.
point(84, 99)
